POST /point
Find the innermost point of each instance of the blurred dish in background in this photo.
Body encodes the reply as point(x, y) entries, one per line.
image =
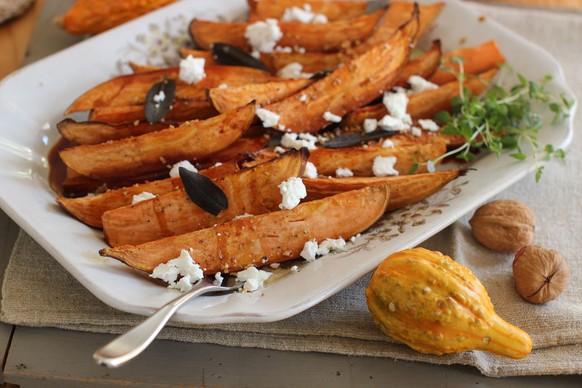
point(10, 9)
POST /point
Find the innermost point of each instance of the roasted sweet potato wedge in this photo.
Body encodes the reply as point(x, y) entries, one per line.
point(334, 10)
point(252, 191)
point(404, 189)
point(264, 239)
point(357, 83)
point(180, 111)
point(224, 99)
point(132, 89)
point(95, 132)
point(361, 159)
point(93, 17)
point(90, 208)
point(478, 59)
point(151, 152)
point(424, 104)
point(331, 36)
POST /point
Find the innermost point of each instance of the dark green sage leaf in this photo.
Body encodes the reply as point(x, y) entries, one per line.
point(159, 100)
point(203, 191)
point(229, 55)
point(352, 139)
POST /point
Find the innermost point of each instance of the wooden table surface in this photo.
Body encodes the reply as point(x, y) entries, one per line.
point(47, 357)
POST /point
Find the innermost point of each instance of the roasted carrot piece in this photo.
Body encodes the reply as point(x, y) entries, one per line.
point(478, 59)
point(357, 83)
point(240, 243)
point(404, 189)
point(251, 191)
point(334, 10)
point(150, 152)
point(330, 36)
point(90, 208)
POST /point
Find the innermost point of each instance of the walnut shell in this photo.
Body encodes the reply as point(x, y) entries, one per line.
point(540, 274)
point(504, 225)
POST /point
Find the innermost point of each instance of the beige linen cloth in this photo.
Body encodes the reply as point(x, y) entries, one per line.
point(37, 291)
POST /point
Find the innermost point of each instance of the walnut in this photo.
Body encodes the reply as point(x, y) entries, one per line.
point(540, 274)
point(504, 225)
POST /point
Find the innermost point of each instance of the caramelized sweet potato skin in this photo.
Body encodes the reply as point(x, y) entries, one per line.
point(404, 189)
point(152, 151)
point(253, 191)
point(357, 83)
point(180, 111)
point(331, 36)
point(89, 209)
point(95, 16)
point(264, 239)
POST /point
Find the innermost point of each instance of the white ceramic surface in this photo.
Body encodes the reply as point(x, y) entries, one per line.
point(39, 93)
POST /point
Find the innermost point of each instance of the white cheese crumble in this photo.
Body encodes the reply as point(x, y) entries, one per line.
point(263, 35)
point(192, 70)
point(303, 98)
point(387, 144)
point(328, 116)
point(294, 269)
point(396, 103)
point(416, 131)
point(279, 150)
point(160, 97)
point(292, 192)
point(218, 279)
point(309, 251)
point(269, 119)
point(174, 171)
point(294, 70)
point(298, 140)
point(310, 171)
point(419, 84)
point(253, 278)
point(343, 172)
point(183, 266)
point(370, 125)
point(428, 124)
point(390, 123)
point(384, 166)
point(303, 15)
point(142, 197)
point(223, 86)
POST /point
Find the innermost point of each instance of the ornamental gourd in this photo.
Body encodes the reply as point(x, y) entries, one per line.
point(437, 306)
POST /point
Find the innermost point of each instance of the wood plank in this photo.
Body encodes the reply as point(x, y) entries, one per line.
point(43, 357)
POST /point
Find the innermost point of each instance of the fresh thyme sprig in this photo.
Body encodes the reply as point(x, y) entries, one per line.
point(502, 119)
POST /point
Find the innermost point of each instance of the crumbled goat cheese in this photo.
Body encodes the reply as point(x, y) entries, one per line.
point(175, 170)
point(192, 70)
point(269, 119)
point(292, 191)
point(279, 150)
point(294, 268)
point(217, 164)
point(328, 116)
point(298, 140)
point(303, 15)
point(183, 266)
point(263, 35)
point(343, 172)
point(310, 171)
point(294, 70)
point(331, 245)
point(223, 86)
point(253, 278)
point(275, 265)
point(416, 131)
point(390, 123)
point(384, 166)
point(419, 84)
point(370, 125)
point(428, 125)
point(142, 197)
point(309, 251)
point(387, 144)
point(285, 50)
point(218, 279)
point(160, 97)
point(354, 238)
point(396, 104)
point(303, 98)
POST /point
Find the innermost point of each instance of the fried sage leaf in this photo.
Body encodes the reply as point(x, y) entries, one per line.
point(352, 139)
point(229, 55)
point(203, 192)
point(159, 100)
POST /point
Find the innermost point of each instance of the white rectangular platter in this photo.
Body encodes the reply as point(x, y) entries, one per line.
point(39, 93)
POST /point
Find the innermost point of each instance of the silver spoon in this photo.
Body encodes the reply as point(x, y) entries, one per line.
point(127, 346)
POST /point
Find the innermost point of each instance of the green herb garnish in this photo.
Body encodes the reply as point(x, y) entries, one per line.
point(502, 119)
